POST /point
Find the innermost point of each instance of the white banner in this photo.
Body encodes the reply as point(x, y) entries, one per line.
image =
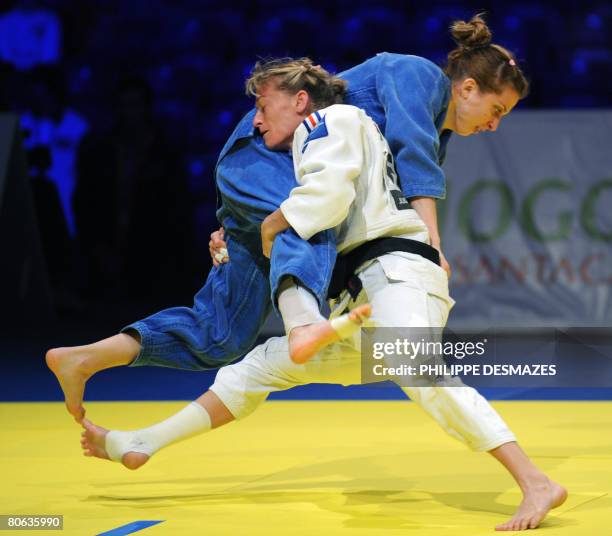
point(527, 224)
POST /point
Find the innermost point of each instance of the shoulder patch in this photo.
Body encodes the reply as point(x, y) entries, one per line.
point(312, 121)
point(316, 127)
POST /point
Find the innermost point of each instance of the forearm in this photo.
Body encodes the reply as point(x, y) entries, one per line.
point(309, 210)
point(427, 210)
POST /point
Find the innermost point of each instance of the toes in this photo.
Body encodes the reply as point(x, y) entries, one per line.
point(357, 317)
point(503, 526)
point(511, 524)
point(79, 415)
point(534, 522)
point(361, 313)
point(88, 425)
point(74, 410)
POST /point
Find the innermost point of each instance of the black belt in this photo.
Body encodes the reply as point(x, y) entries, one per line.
point(344, 277)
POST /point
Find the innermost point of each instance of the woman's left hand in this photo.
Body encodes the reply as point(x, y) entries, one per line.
point(273, 224)
point(267, 238)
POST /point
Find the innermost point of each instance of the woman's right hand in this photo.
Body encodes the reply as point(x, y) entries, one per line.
point(218, 248)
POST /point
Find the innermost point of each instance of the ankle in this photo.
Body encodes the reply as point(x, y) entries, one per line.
point(534, 482)
point(85, 365)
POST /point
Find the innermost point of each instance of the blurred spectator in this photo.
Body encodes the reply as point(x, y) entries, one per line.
point(48, 120)
point(132, 206)
point(30, 35)
point(58, 248)
point(198, 58)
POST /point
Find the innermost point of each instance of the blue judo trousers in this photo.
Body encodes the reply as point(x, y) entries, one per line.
point(408, 98)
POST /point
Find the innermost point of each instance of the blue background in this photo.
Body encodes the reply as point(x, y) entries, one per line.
point(194, 57)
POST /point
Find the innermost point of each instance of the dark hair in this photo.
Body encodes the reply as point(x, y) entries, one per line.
point(492, 66)
point(293, 75)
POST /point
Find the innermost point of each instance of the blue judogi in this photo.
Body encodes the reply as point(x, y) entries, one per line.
point(408, 98)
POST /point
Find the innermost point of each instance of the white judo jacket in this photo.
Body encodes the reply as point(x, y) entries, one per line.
point(347, 179)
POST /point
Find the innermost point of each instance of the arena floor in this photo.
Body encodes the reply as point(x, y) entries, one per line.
point(305, 468)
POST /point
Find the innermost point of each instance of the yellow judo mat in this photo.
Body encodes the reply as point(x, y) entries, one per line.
point(305, 468)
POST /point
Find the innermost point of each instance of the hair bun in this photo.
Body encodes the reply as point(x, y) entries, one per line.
point(472, 34)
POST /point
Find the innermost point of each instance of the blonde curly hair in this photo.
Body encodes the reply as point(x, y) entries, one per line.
point(293, 75)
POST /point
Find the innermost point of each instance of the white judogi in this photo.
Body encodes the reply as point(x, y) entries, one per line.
point(347, 181)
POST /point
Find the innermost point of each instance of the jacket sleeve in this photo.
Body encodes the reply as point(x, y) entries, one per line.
point(326, 162)
point(414, 94)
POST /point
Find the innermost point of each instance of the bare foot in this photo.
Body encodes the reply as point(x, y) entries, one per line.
point(93, 443)
point(306, 341)
point(66, 364)
point(536, 503)
point(93, 440)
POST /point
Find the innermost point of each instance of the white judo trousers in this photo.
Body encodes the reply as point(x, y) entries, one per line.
point(405, 290)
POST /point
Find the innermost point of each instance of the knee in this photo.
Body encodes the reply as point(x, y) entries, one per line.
point(134, 334)
point(222, 342)
point(240, 348)
point(222, 353)
point(236, 400)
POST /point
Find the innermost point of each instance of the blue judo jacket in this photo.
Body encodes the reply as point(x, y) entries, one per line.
point(408, 98)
